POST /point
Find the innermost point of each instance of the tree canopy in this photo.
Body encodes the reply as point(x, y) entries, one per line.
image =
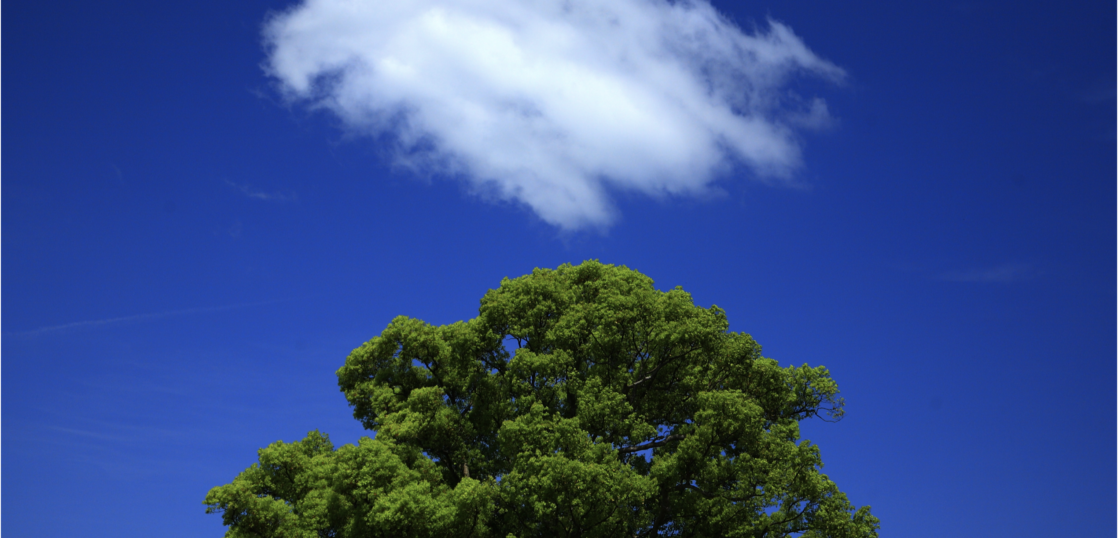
point(580, 402)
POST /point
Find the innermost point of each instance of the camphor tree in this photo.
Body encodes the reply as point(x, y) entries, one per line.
point(581, 402)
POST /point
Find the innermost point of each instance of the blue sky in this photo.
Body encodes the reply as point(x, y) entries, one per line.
point(204, 210)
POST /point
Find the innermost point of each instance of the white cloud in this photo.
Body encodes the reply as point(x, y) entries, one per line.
point(554, 103)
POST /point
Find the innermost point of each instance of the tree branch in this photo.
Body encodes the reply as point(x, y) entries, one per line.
point(654, 444)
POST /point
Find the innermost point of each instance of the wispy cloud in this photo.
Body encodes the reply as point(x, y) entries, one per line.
point(1009, 272)
point(136, 318)
point(554, 103)
point(1101, 93)
point(102, 436)
point(261, 195)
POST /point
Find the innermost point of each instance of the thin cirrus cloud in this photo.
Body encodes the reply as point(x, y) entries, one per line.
point(1005, 273)
point(250, 192)
point(553, 103)
point(136, 318)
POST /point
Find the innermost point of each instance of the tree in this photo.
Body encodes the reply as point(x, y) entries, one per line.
point(581, 402)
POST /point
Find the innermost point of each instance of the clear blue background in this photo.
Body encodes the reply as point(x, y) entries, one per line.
point(953, 262)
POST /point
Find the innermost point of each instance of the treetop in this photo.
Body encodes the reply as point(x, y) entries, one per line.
point(581, 401)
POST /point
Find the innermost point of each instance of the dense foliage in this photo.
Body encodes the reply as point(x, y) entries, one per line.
point(581, 402)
